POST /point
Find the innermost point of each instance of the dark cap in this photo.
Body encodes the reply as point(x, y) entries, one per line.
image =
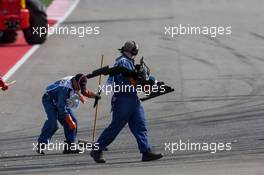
point(130, 46)
point(81, 82)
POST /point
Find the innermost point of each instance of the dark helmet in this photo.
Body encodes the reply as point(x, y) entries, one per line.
point(131, 47)
point(81, 81)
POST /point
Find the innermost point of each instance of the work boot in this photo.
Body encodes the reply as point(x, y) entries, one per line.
point(71, 148)
point(97, 155)
point(40, 148)
point(150, 156)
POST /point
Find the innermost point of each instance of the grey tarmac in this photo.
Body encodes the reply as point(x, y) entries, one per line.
point(218, 82)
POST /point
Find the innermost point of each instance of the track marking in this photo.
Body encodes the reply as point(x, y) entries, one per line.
point(34, 48)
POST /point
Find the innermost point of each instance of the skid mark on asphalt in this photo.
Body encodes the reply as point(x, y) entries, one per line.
point(56, 162)
point(200, 115)
point(206, 99)
point(258, 58)
point(232, 50)
point(213, 119)
point(200, 60)
point(259, 36)
point(126, 20)
point(36, 163)
point(86, 163)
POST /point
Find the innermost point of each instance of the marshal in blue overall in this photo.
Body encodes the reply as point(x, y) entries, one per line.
point(59, 101)
point(126, 109)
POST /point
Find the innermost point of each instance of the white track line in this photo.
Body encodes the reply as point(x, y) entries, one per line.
point(34, 48)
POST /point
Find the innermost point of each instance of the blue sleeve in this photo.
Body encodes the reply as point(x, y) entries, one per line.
point(63, 95)
point(124, 63)
point(120, 79)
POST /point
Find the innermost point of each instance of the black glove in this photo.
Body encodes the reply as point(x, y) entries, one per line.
point(141, 73)
point(97, 97)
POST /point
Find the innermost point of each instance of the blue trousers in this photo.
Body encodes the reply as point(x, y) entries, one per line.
point(126, 110)
point(51, 125)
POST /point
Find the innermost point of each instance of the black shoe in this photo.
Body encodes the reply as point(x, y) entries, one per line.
point(40, 148)
point(71, 148)
point(97, 155)
point(150, 156)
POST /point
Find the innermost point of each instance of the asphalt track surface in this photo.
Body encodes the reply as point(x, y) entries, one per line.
point(218, 83)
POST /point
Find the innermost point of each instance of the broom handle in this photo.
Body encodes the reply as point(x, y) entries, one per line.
point(97, 106)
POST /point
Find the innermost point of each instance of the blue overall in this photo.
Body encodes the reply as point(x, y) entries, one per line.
point(126, 109)
point(55, 105)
